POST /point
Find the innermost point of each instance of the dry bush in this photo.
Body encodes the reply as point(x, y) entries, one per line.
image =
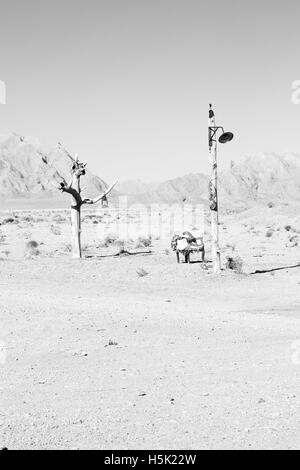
point(55, 230)
point(270, 233)
point(109, 239)
point(95, 219)
point(234, 263)
point(143, 242)
point(120, 243)
point(28, 218)
point(10, 220)
point(59, 219)
point(115, 241)
point(6, 253)
point(293, 241)
point(67, 247)
point(31, 249)
point(141, 272)
point(86, 218)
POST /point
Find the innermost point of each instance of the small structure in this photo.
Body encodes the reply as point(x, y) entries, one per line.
point(185, 244)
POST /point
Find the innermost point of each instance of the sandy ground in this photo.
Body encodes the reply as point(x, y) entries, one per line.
point(94, 356)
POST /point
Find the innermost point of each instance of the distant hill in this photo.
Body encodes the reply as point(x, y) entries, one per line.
point(263, 178)
point(191, 188)
point(136, 186)
point(260, 179)
point(30, 170)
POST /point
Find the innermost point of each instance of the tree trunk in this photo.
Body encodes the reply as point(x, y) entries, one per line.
point(78, 169)
point(76, 231)
point(76, 220)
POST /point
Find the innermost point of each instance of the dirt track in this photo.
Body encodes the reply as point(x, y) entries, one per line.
point(200, 362)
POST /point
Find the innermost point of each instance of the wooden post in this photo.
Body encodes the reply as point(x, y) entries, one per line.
point(213, 189)
point(76, 218)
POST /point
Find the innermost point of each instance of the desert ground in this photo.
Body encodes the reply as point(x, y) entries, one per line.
point(126, 349)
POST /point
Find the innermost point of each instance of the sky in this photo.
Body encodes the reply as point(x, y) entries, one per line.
point(126, 83)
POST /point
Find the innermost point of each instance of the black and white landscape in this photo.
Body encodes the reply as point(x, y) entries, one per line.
point(106, 342)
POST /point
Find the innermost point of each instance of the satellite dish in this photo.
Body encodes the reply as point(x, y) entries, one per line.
point(226, 137)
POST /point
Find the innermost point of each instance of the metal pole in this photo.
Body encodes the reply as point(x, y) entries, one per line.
point(213, 190)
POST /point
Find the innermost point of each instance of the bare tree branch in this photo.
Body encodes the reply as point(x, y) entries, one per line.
point(101, 196)
point(74, 160)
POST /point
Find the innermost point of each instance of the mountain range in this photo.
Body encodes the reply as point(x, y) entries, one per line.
point(260, 179)
point(31, 170)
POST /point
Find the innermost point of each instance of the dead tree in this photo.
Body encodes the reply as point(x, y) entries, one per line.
point(73, 188)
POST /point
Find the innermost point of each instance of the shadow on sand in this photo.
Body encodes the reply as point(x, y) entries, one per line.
point(122, 253)
point(272, 270)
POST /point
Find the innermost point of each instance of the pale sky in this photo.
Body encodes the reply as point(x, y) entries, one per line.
point(126, 83)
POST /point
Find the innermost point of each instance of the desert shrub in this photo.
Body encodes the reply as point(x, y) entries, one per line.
point(87, 218)
point(121, 247)
point(269, 233)
point(293, 241)
point(141, 272)
point(94, 219)
point(86, 247)
point(271, 205)
point(143, 242)
point(10, 220)
point(28, 218)
point(234, 263)
point(31, 249)
point(67, 247)
point(120, 243)
point(55, 230)
point(59, 219)
point(109, 239)
point(6, 253)
point(288, 228)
